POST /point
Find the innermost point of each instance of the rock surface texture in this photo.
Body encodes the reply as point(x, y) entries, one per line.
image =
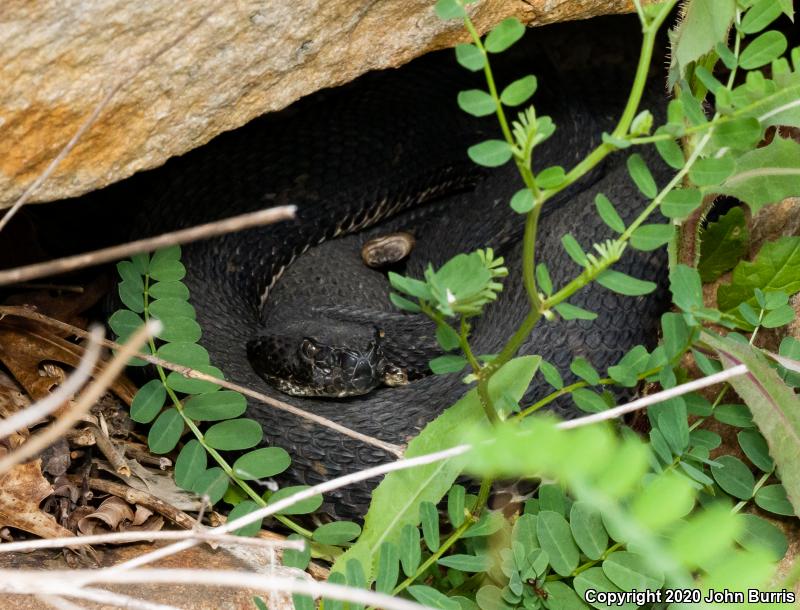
point(60, 58)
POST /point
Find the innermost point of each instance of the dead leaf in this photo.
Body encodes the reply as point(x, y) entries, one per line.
point(111, 516)
point(21, 491)
point(11, 402)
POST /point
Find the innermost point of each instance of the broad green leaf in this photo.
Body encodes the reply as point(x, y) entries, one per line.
point(356, 579)
point(476, 102)
point(165, 432)
point(524, 532)
point(489, 523)
point(704, 24)
point(609, 213)
point(303, 507)
point(234, 434)
point(588, 530)
point(556, 540)
point(188, 385)
point(403, 303)
point(630, 571)
point(651, 236)
point(240, 510)
point(755, 448)
point(734, 477)
point(504, 34)
point(213, 483)
point(778, 317)
point(670, 416)
point(759, 533)
point(763, 50)
point(625, 284)
point(148, 401)
point(519, 91)
point(764, 175)
point(470, 57)
point(336, 532)
point(490, 153)
point(594, 579)
point(261, 463)
point(641, 176)
point(388, 568)
point(773, 498)
point(775, 268)
point(712, 171)
point(395, 502)
point(723, 244)
point(215, 406)
point(679, 203)
point(543, 278)
point(191, 463)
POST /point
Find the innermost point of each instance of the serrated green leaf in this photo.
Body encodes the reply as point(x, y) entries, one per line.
point(490, 153)
point(191, 463)
point(165, 432)
point(234, 434)
point(215, 406)
point(625, 284)
point(261, 463)
point(504, 34)
point(704, 24)
point(723, 244)
point(519, 91)
point(763, 50)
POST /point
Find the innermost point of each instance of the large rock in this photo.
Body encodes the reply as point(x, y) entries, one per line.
point(58, 58)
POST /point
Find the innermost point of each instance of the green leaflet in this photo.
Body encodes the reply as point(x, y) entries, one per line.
point(775, 268)
point(396, 501)
point(723, 244)
point(775, 407)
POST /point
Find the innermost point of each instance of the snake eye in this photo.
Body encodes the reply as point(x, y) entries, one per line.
point(308, 349)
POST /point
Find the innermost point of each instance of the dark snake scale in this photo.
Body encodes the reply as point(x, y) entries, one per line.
point(386, 153)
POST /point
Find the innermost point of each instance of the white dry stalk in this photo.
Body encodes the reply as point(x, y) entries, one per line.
point(44, 407)
point(63, 582)
point(100, 596)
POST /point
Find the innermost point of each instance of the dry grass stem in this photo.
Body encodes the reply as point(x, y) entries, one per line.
point(105, 255)
point(395, 450)
point(90, 120)
point(42, 440)
point(41, 409)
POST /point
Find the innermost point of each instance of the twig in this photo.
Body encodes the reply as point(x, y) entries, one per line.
point(321, 488)
point(88, 397)
point(104, 255)
point(62, 582)
point(393, 449)
point(111, 453)
point(138, 536)
point(44, 407)
point(647, 401)
point(90, 120)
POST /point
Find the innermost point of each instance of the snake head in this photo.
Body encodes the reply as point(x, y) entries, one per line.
point(306, 365)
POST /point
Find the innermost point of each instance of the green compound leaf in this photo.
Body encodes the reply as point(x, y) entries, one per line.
point(215, 406)
point(213, 483)
point(191, 463)
point(775, 268)
point(179, 328)
point(679, 203)
point(261, 463)
point(169, 290)
point(449, 9)
point(625, 284)
point(583, 369)
point(764, 175)
point(234, 434)
point(187, 385)
point(303, 507)
point(476, 102)
point(596, 580)
point(711, 171)
point(470, 57)
point(773, 498)
point(240, 510)
point(609, 213)
point(388, 568)
point(519, 91)
point(165, 432)
point(755, 448)
point(573, 312)
point(490, 153)
point(336, 532)
point(651, 236)
point(763, 50)
point(759, 533)
point(723, 244)
point(734, 477)
point(148, 401)
point(641, 176)
point(556, 540)
point(504, 34)
point(630, 571)
point(588, 530)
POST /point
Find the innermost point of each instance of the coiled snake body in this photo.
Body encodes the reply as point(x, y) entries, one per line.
point(362, 157)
